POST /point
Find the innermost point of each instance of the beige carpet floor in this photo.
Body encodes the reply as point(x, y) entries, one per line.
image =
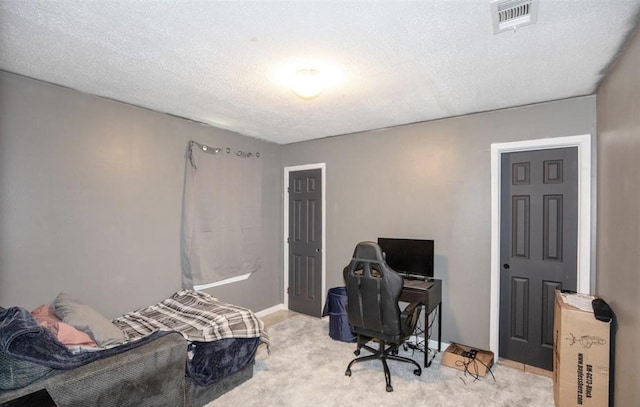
point(306, 368)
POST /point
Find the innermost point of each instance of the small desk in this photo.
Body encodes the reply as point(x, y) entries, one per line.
point(429, 294)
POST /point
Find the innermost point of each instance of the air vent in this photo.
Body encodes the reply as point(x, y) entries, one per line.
point(510, 14)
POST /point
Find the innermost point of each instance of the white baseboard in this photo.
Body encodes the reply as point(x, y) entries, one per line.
point(434, 345)
point(270, 310)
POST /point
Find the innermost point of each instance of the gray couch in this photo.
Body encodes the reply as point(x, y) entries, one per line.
point(151, 375)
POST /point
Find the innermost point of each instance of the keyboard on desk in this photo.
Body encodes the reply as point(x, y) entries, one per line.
point(417, 283)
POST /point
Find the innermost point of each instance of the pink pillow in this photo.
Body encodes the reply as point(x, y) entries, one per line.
point(68, 335)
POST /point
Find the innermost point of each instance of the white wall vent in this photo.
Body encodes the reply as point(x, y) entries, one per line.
point(511, 14)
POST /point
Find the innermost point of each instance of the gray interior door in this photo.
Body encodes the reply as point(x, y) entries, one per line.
point(538, 248)
point(305, 242)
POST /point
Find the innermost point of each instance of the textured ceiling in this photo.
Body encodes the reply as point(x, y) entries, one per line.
point(392, 63)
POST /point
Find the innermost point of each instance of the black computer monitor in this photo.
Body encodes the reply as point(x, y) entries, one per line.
point(410, 257)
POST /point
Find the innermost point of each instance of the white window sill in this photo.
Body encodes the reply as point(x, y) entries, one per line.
point(221, 282)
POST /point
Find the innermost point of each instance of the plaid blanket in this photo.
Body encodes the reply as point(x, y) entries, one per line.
point(198, 316)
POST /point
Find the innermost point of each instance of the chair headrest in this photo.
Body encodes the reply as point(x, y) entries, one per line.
point(368, 251)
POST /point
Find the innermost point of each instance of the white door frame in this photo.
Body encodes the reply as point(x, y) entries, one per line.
point(287, 170)
point(583, 142)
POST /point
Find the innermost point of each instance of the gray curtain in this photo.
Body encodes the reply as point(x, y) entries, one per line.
point(221, 217)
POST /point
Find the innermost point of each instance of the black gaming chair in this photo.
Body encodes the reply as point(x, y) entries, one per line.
point(373, 289)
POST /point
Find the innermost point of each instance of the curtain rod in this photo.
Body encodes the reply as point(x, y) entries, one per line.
point(228, 150)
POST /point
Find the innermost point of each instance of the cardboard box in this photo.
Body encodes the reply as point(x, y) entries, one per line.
point(580, 354)
point(459, 357)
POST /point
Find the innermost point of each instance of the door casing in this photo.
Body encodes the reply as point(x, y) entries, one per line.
point(285, 272)
point(583, 142)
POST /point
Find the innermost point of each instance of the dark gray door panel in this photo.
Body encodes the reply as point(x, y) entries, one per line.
point(305, 242)
point(538, 248)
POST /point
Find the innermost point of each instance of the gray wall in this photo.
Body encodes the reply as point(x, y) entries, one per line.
point(618, 253)
point(431, 180)
point(91, 200)
point(91, 194)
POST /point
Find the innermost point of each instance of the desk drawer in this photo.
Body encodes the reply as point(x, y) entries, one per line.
point(430, 297)
point(412, 295)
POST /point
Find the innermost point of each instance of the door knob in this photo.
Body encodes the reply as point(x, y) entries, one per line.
point(506, 266)
point(318, 250)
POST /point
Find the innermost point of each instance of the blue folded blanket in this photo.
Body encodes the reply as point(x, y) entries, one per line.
point(22, 337)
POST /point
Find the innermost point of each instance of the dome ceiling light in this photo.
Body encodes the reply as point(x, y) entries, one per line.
point(307, 83)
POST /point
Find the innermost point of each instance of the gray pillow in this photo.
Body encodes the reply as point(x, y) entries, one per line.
point(84, 318)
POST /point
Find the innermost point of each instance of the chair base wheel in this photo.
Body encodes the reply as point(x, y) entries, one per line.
point(383, 354)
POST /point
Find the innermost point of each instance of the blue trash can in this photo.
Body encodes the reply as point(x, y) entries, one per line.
point(336, 308)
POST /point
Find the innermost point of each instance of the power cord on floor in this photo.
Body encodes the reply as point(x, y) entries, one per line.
point(470, 365)
point(419, 343)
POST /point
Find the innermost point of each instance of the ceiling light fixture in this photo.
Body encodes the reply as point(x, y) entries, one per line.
point(307, 83)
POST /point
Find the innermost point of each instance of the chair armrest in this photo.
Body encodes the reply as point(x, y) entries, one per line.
point(409, 318)
point(411, 308)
